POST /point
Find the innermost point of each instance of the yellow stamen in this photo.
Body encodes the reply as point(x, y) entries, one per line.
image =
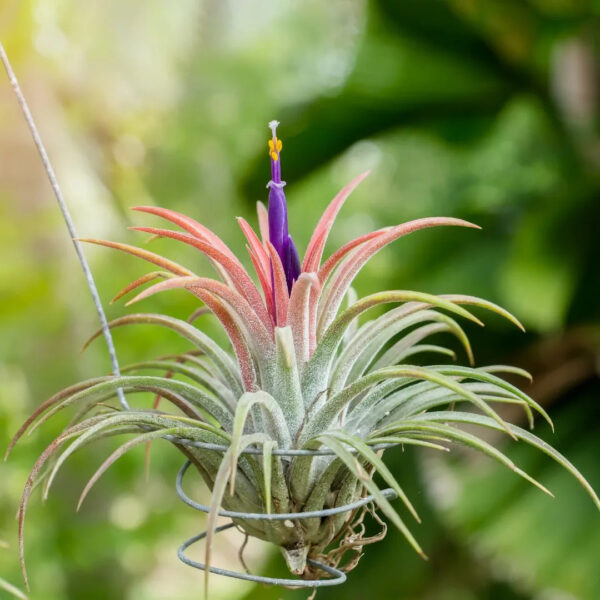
point(274, 156)
point(275, 147)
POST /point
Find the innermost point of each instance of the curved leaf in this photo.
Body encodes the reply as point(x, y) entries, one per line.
point(221, 359)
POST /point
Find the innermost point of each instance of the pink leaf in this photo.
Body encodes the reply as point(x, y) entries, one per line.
point(265, 283)
point(236, 271)
point(237, 341)
point(299, 314)
point(280, 289)
point(313, 307)
point(256, 246)
point(151, 257)
point(258, 332)
point(337, 256)
point(141, 281)
point(190, 225)
point(314, 251)
point(344, 276)
point(263, 221)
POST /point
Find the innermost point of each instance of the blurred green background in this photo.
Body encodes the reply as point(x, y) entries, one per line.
point(481, 109)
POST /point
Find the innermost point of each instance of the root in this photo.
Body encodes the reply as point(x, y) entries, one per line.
point(241, 551)
point(352, 541)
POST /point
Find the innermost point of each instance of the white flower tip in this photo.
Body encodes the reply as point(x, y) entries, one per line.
point(273, 127)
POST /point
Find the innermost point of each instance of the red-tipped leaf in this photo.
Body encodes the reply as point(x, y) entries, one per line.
point(314, 250)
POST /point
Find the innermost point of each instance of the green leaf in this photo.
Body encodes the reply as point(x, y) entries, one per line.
point(374, 335)
point(488, 377)
point(140, 439)
point(267, 457)
point(222, 359)
point(372, 458)
point(526, 436)
point(278, 430)
point(318, 368)
point(212, 384)
point(221, 414)
point(353, 466)
point(326, 415)
point(462, 437)
point(285, 387)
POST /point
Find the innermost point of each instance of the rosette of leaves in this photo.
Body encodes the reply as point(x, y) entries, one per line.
point(302, 373)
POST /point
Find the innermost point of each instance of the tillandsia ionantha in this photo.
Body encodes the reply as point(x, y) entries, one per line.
point(303, 374)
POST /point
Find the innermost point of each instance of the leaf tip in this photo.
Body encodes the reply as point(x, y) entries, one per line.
point(470, 357)
point(470, 225)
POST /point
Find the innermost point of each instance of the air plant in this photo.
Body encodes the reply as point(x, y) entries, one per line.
point(302, 373)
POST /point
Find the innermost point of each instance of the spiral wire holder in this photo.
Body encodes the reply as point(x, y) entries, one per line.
point(338, 576)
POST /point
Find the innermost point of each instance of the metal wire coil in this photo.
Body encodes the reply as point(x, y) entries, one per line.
point(275, 452)
point(338, 575)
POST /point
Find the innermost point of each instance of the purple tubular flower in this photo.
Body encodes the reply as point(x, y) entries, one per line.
point(291, 264)
point(278, 221)
point(278, 227)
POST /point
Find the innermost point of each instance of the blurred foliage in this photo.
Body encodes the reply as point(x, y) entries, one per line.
point(480, 109)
